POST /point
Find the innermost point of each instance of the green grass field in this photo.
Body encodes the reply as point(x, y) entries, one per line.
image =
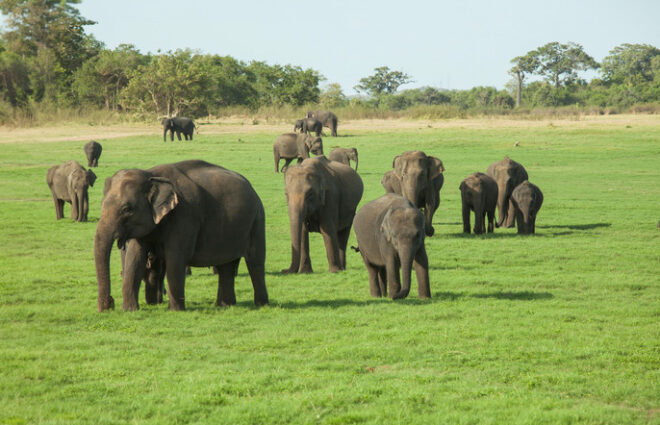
point(562, 327)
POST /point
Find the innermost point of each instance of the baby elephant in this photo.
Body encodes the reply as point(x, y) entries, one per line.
point(93, 152)
point(292, 145)
point(344, 155)
point(69, 182)
point(390, 235)
point(479, 194)
point(527, 199)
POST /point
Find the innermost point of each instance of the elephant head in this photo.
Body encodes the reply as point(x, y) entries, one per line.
point(403, 229)
point(134, 202)
point(314, 144)
point(305, 196)
point(168, 125)
point(298, 126)
point(508, 174)
point(421, 178)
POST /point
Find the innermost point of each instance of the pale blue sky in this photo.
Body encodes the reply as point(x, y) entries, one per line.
point(449, 44)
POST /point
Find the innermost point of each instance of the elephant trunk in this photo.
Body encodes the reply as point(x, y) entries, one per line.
point(296, 218)
point(356, 162)
point(102, 246)
point(165, 134)
point(405, 257)
point(502, 204)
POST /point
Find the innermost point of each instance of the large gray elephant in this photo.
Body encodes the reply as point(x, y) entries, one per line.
point(418, 178)
point(70, 182)
point(309, 125)
point(390, 235)
point(526, 199)
point(327, 118)
point(93, 153)
point(345, 156)
point(178, 125)
point(508, 174)
point(189, 213)
point(322, 196)
point(479, 194)
point(292, 146)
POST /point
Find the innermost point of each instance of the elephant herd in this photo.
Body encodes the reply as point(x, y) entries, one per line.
point(173, 216)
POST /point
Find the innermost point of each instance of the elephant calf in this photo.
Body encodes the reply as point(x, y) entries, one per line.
point(526, 199)
point(291, 146)
point(69, 182)
point(93, 153)
point(390, 235)
point(178, 125)
point(309, 125)
point(479, 194)
point(344, 155)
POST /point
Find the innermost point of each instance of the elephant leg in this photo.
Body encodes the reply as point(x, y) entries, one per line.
point(74, 207)
point(255, 261)
point(134, 266)
point(382, 280)
point(491, 220)
point(466, 218)
point(178, 135)
point(305, 265)
point(343, 236)
point(287, 161)
point(176, 280)
point(393, 280)
point(59, 206)
point(510, 218)
point(331, 241)
point(172, 135)
point(421, 266)
point(226, 293)
point(374, 287)
point(478, 221)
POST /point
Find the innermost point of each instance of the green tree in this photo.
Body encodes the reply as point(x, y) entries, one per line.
point(523, 66)
point(14, 78)
point(280, 85)
point(332, 96)
point(560, 63)
point(383, 81)
point(630, 64)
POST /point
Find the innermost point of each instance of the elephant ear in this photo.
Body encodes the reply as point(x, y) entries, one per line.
point(386, 226)
point(107, 186)
point(91, 177)
point(162, 197)
point(435, 167)
point(396, 165)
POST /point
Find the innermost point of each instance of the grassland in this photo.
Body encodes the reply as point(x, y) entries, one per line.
point(560, 327)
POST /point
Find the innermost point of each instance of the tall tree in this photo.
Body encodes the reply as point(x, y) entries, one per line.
point(630, 64)
point(523, 66)
point(560, 63)
point(383, 81)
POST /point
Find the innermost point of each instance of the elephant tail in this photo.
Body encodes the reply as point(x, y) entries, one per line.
point(357, 248)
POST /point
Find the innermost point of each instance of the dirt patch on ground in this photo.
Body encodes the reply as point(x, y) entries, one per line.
point(243, 125)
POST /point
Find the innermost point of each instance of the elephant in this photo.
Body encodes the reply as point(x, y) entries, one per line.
point(418, 178)
point(153, 274)
point(344, 155)
point(93, 153)
point(292, 145)
point(178, 125)
point(322, 196)
point(526, 199)
point(390, 232)
point(189, 213)
point(309, 125)
point(327, 118)
point(70, 182)
point(508, 174)
point(479, 194)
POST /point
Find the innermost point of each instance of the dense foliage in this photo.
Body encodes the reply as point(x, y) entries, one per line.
point(47, 59)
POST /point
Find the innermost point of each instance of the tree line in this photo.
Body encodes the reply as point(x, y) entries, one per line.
point(47, 58)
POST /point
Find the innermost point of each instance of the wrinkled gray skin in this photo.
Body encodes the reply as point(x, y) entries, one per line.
point(418, 178)
point(526, 199)
point(390, 235)
point(308, 125)
point(93, 153)
point(292, 146)
point(479, 194)
point(508, 174)
point(327, 118)
point(322, 196)
point(345, 156)
point(189, 213)
point(178, 125)
point(70, 182)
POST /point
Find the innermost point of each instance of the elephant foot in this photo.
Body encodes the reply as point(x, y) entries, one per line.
point(224, 304)
point(334, 269)
point(108, 304)
point(287, 271)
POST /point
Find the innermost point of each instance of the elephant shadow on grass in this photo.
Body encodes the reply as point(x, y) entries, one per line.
point(589, 226)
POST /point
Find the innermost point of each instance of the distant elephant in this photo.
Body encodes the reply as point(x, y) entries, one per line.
point(190, 213)
point(390, 235)
point(70, 182)
point(292, 146)
point(93, 152)
point(526, 199)
point(479, 194)
point(309, 125)
point(508, 174)
point(327, 118)
point(344, 155)
point(178, 125)
point(322, 196)
point(418, 178)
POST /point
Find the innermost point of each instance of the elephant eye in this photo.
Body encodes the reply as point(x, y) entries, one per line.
point(126, 209)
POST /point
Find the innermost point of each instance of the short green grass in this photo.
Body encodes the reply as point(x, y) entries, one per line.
point(560, 327)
